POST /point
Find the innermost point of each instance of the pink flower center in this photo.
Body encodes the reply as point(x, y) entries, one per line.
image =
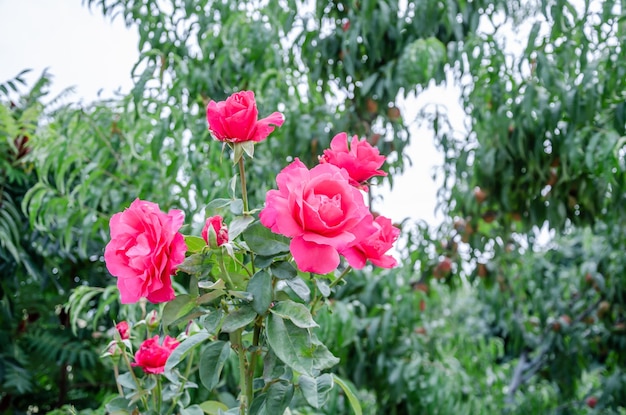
point(329, 209)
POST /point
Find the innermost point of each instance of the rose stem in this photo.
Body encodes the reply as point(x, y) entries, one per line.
point(235, 338)
point(244, 191)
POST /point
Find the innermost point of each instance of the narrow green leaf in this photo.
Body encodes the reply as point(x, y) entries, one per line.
point(239, 319)
point(260, 286)
point(298, 313)
point(347, 389)
point(212, 361)
point(248, 148)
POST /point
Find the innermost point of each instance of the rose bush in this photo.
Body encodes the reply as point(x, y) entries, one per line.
point(152, 355)
point(144, 250)
point(320, 210)
point(245, 297)
point(236, 119)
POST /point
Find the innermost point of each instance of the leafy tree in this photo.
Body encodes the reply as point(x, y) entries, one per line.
point(480, 305)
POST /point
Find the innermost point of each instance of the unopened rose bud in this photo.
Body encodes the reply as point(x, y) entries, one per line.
point(123, 330)
point(192, 328)
point(153, 320)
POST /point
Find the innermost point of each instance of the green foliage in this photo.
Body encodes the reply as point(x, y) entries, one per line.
point(544, 145)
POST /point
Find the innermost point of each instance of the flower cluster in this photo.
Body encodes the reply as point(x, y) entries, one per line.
point(321, 209)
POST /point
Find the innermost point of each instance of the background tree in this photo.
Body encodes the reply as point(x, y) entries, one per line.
point(481, 317)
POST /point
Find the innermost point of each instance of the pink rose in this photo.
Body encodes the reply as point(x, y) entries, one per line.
point(361, 160)
point(380, 236)
point(144, 250)
point(123, 330)
point(152, 356)
point(319, 209)
point(235, 120)
point(221, 231)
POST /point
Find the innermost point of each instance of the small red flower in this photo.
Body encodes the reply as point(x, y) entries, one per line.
point(152, 355)
point(123, 330)
point(221, 231)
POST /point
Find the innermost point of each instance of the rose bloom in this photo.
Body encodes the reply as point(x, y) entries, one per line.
point(123, 330)
point(360, 159)
point(381, 234)
point(218, 225)
point(236, 119)
point(319, 210)
point(144, 250)
point(152, 356)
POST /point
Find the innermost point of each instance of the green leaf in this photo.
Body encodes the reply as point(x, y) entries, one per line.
point(118, 406)
point(322, 357)
point(180, 352)
point(212, 361)
point(194, 243)
point(194, 264)
point(291, 344)
point(239, 319)
point(177, 308)
point(213, 407)
point(316, 390)
point(274, 401)
point(248, 148)
point(283, 270)
point(126, 380)
point(238, 225)
point(236, 207)
point(347, 389)
point(217, 206)
point(264, 242)
point(300, 288)
point(192, 410)
point(298, 313)
point(323, 286)
point(260, 286)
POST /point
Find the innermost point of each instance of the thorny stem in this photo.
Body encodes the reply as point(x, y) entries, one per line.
point(132, 373)
point(244, 191)
point(116, 372)
point(255, 353)
point(340, 278)
point(244, 396)
point(334, 283)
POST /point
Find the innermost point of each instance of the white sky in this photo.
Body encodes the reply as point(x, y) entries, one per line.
point(83, 49)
